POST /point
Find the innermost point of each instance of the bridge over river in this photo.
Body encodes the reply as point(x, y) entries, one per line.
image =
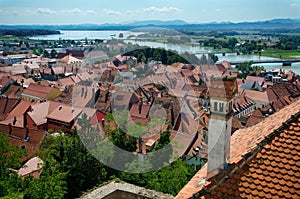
point(287, 62)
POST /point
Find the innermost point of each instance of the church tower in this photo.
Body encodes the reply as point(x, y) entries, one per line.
point(222, 91)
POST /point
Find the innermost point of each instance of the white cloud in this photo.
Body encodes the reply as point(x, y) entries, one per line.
point(294, 5)
point(45, 11)
point(73, 11)
point(111, 12)
point(90, 12)
point(79, 11)
point(162, 10)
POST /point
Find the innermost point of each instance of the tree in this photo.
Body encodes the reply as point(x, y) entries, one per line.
point(169, 179)
point(163, 140)
point(46, 53)
point(141, 57)
point(4, 53)
point(69, 165)
point(53, 53)
point(10, 182)
point(123, 140)
point(232, 42)
point(213, 57)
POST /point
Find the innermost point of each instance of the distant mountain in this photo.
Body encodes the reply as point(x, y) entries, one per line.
point(273, 25)
point(158, 23)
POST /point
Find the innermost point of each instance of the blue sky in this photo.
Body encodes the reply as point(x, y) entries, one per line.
point(118, 11)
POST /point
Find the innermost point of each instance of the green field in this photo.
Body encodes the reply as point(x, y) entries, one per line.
point(283, 54)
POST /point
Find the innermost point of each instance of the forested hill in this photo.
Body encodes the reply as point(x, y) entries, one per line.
point(27, 32)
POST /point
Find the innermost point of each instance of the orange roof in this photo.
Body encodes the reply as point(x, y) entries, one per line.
point(40, 111)
point(134, 110)
point(226, 64)
point(69, 59)
point(243, 141)
point(256, 95)
point(260, 80)
point(34, 164)
point(37, 90)
point(64, 113)
point(20, 109)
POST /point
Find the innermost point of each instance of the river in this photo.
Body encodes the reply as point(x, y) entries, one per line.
point(181, 48)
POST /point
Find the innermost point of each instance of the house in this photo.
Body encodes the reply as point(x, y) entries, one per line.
point(48, 74)
point(251, 85)
point(24, 138)
point(15, 69)
point(37, 117)
point(71, 64)
point(36, 92)
point(63, 117)
point(254, 118)
point(5, 82)
point(7, 105)
point(263, 162)
point(261, 99)
point(177, 67)
point(12, 59)
point(13, 91)
point(243, 105)
point(79, 54)
point(21, 80)
point(91, 57)
point(33, 167)
point(131, 61)
point(17, 116)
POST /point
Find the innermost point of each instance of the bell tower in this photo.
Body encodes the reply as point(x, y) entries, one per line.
point(222, 91)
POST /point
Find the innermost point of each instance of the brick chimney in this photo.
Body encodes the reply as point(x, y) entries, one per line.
point(222, 92)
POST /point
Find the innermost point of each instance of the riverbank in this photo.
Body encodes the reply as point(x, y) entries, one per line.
point(281, 54)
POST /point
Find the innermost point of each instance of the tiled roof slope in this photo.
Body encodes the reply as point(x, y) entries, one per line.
point(245, 139)
point(273, 173)
point(242, 141)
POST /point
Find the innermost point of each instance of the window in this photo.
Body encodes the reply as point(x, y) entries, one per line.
point(221, 107)
point(230, 106)
point(216, 106)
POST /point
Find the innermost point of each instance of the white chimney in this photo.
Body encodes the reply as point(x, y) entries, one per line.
point(222, 91)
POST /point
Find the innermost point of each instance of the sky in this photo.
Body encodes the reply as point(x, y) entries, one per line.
point(13, 12)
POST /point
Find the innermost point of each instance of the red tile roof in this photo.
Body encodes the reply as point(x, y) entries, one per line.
point(37, 90)
point(32, 165)
point(250, 139)
point(134, 110)
point(272, 173)
point(13, 91)
point(42, 110)
point(65, 113)
point(4, 80)
point(7, 104)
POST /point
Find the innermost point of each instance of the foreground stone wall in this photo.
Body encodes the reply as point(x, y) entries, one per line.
point(124, 190)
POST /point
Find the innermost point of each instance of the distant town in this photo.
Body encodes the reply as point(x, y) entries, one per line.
point(63, 100)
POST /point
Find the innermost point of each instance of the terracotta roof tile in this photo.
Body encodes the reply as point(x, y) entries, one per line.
point(276, 182)
point(266, 171)
point(65, 113)
point(37, 90)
